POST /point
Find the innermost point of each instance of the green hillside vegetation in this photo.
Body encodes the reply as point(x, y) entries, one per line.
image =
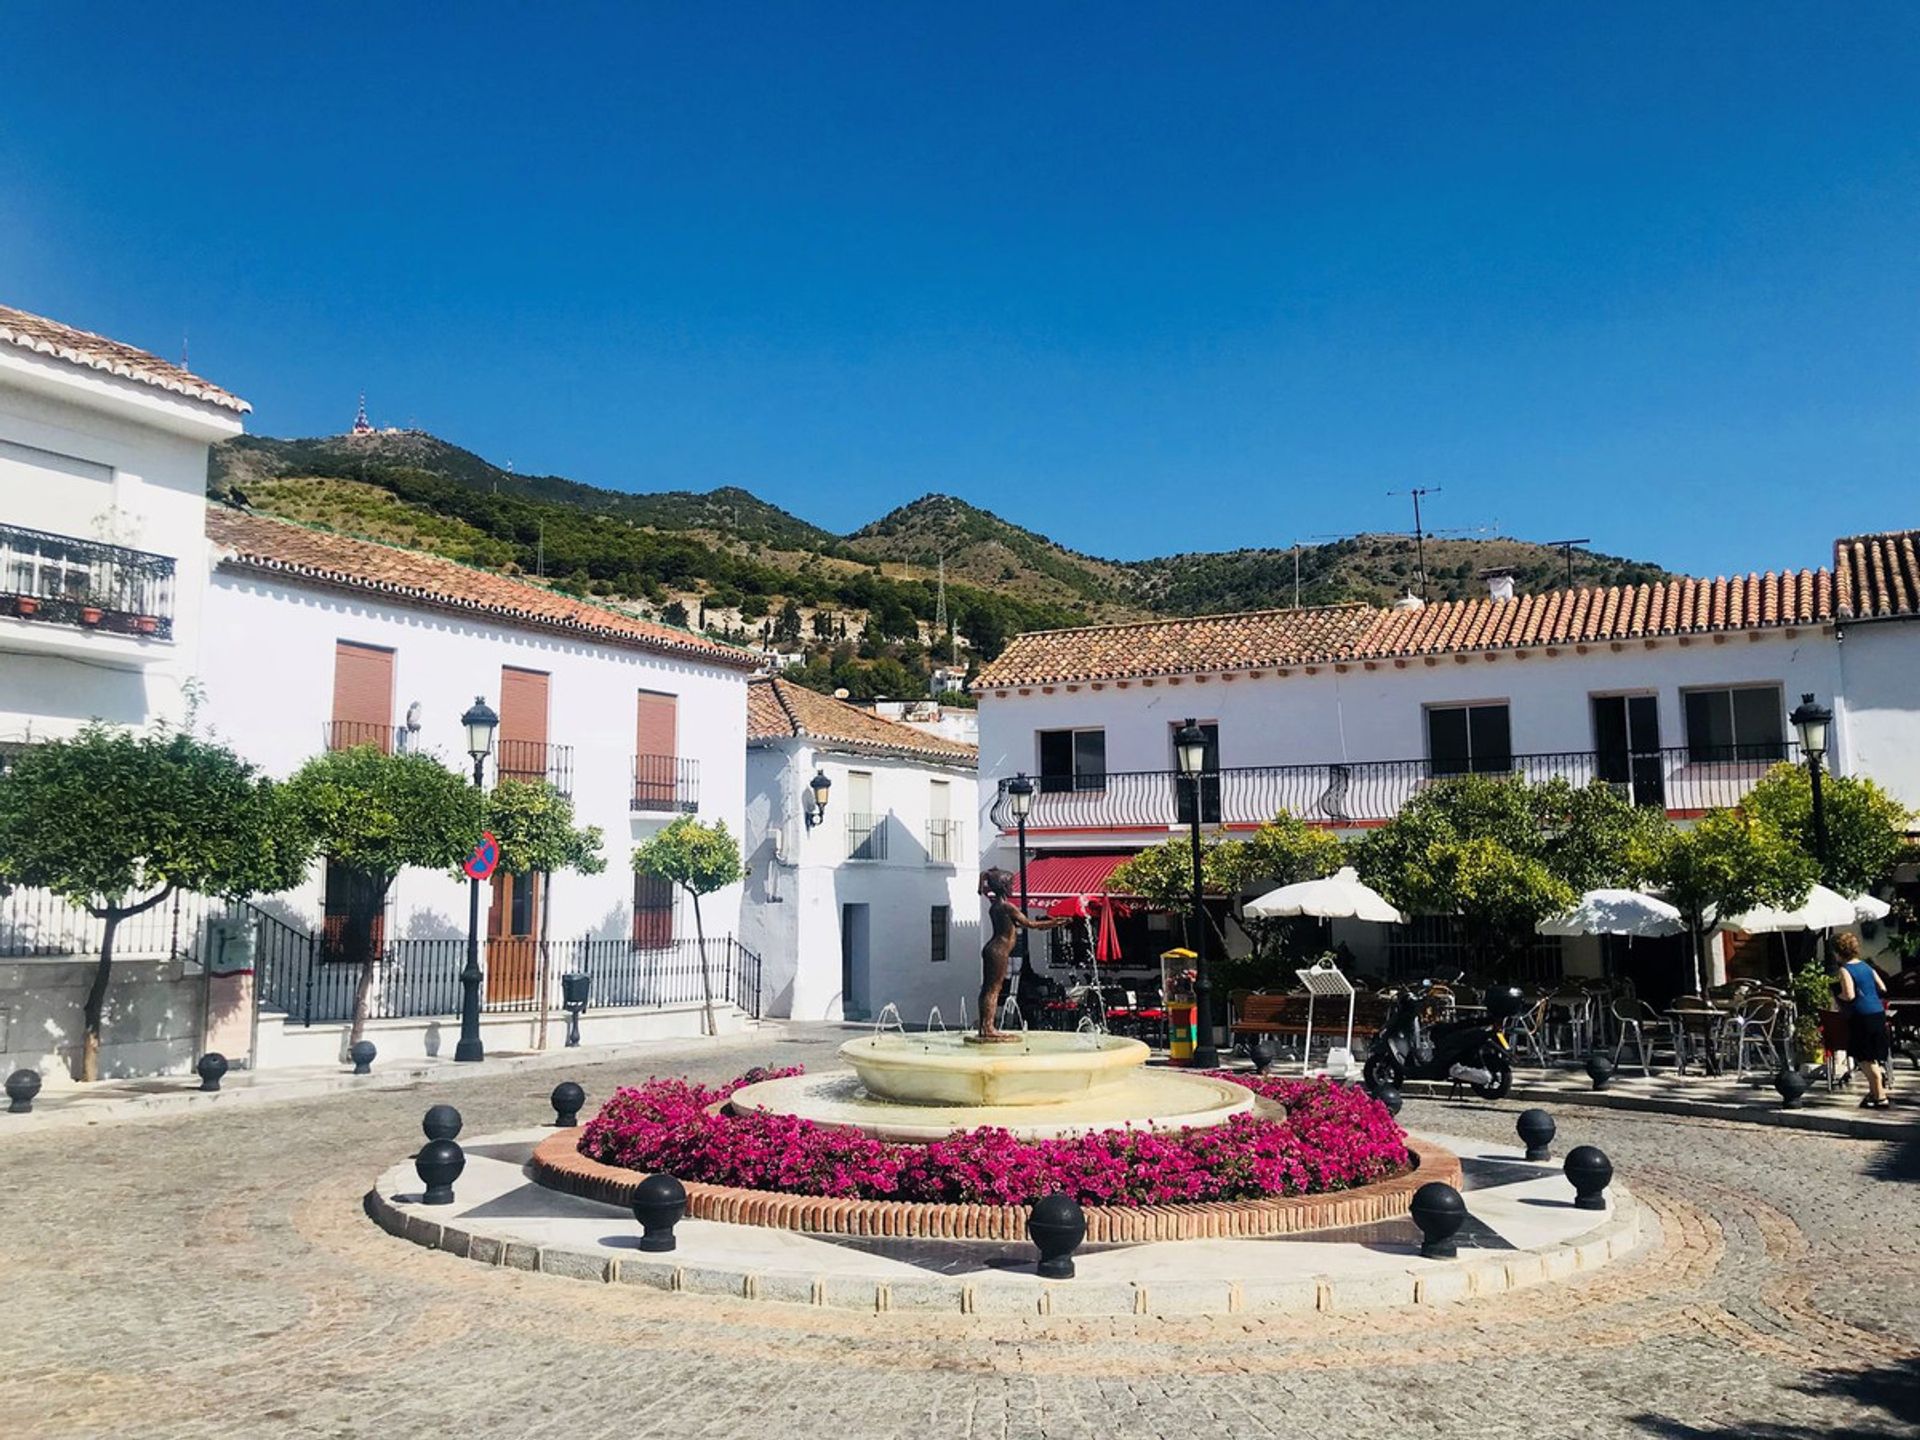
point(860, 608)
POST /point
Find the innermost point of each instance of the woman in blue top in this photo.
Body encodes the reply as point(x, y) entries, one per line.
point(1863, 997)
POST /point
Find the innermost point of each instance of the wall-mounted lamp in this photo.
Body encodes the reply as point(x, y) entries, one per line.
point(817, 791)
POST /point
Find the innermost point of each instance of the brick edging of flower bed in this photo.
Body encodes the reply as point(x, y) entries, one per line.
point(558, 1165)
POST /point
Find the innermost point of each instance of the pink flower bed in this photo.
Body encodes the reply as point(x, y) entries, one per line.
point(1334, 1137)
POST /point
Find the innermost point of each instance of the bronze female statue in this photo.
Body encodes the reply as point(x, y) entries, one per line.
point(997, 954)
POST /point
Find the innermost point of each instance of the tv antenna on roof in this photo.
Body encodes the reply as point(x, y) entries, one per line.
point(1419, 532)
point(1565, 547)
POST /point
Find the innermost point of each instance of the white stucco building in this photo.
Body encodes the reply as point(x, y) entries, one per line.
point(319, 641)
point(1679, 692)
point(872, 901)
point(103, 469)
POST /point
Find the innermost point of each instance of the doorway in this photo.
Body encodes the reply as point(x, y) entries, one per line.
point(854, 924)
point(1626, 744)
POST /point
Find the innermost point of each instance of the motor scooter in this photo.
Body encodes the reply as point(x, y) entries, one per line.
point(1473, 1053)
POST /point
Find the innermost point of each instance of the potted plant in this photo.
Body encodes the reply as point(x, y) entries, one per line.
point(24, 605)
point(90, 614)
point(146, 624)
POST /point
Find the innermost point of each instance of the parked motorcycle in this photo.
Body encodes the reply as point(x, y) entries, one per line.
point(1473, 1053)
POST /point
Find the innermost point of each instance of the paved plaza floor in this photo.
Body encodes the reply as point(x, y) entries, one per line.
point(211, 1271)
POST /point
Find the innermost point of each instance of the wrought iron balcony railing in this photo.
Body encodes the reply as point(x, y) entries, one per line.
point(866, 837)
point(666, 784)
point(535, 760)
point(1680, 780)
point(346, 734)
point(943, 842)
point(60, 580)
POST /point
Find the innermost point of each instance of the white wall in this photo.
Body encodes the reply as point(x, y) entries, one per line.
point(1878, 719)
point(268, 674)
point(94, 457)
point(1365, 714)
point(793, 910)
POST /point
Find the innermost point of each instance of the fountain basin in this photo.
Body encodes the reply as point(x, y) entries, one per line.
point(947, 1068)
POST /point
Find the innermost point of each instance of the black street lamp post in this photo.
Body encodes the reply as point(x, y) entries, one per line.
point(1020, 797)
point(1190, 748)
point(481, 722)
point(1812, 721)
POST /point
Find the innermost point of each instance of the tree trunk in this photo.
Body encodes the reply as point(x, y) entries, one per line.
point(542, 978)
point(706, 979)
point(111, 916)
point(363, 987)
point(1700, 964)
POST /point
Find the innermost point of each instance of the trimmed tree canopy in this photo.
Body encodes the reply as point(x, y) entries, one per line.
point(699, 858)
point(1865, 825)
point(378, 813)
point(534, 824)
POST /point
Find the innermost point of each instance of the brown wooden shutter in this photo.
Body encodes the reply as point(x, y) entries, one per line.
point(362, 696)
point(656, 741)
point(523, 723)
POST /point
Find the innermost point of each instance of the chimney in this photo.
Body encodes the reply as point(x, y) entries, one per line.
point(1499, 582)
point(1409, 601)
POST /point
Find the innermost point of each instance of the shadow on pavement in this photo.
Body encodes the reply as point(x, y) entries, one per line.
point(1892, 1390)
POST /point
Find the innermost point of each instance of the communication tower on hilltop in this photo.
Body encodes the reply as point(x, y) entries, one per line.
point(360, 423)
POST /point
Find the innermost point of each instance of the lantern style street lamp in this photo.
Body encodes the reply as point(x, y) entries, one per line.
point(1813, 721)
point(1190, 750)
point(480, 722)
point(819, 788)
point(1020, 797)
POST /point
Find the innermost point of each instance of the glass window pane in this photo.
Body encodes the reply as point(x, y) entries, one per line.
point(1758, 726)
point(1090, 759)
point(1490, 738)
point(1709, 723)
point(1056, 760)
point(1447, 740)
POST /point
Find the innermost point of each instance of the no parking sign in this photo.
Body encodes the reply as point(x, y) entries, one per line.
point(486, 856)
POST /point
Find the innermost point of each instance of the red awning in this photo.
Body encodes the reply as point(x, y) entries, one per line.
point(1071, 877)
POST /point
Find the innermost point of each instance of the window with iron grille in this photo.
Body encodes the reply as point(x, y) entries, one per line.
point(942, 916)
point(1436, 947)
point(652, 912)
point(1744, 722)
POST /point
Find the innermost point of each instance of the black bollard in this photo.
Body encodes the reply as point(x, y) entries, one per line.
point(1536, 1129)
point(1590, 1171)
point(210, 1068)
point(1056, 1225)
point(658, 1203)
point(1792, 1086)
point(441, 1122)
point(1599, 1070)
point(22, 1086)
point(439, 1164)
point(1263, 1055)
point(567, 1099)
point(1389, 1096)
point(1439, 1212)
point(361, 1052)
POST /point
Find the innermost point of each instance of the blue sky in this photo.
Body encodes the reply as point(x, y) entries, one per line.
point(1143, 278)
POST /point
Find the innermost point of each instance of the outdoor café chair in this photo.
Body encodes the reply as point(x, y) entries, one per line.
point(1749, 1031)
point(1527, 1030)
point(1642, 1021)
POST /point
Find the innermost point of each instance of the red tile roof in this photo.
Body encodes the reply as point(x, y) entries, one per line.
point(1877, 575)
point(341, 562)
point(1173, 647)
point(778, 709)
point(97, 352)
point(1270, 638)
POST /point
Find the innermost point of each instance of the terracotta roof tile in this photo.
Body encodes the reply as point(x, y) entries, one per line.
point(1359, 632)
point(97, 352)
point(778, 709)
point(1170, 647)
point(1876, 576)
point(412, 577)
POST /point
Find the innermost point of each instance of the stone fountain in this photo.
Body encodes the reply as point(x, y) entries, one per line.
point(1042, 1085)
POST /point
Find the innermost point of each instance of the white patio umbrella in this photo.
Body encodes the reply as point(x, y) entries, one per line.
point(1616, 912)
point(1870, 907)
point(1823, 909)
point(1341, 896)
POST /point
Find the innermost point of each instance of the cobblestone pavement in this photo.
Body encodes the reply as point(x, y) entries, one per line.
point(214, 1273)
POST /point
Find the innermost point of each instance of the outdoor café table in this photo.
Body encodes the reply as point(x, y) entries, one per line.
point(1699, 1024)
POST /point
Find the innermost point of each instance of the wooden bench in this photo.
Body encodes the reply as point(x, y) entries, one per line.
point(1287, 1015)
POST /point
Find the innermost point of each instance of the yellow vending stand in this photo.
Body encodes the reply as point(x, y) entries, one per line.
point(1176, 989)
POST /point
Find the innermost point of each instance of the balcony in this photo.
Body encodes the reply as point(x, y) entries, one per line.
point(943, 842)
point(665, 785)
point(535, 760)
point(866, 837)
point(1683, 782)
point(69, 585)
point(348, 734)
